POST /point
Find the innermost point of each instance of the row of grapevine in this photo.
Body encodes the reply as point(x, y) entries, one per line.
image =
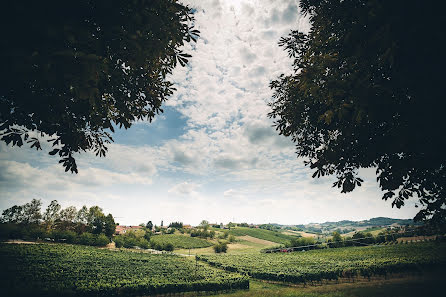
point(180, 241)
point(331, 264)
point(69, 270)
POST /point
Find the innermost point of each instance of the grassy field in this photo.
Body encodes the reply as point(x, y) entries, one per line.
point(299, 233)
point(181, 241)
point(276, 237)
point(243, 245)
point(332, 264)
point(70, 270)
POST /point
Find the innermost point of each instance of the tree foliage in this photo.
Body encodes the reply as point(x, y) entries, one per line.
point(366, 92)
point(28, 213)
point(73, 70)
point(57, 219)
point(149, 225)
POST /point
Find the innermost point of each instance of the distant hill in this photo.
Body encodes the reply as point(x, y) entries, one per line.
point(379, 221)
point(348, 226)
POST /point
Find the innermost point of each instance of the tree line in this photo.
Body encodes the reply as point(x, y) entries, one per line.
point(88, 226)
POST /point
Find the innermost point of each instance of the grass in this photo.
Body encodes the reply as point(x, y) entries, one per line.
point(180, 241)
point(241, 246)
point(236, 248)
point(429, 284)
point(273, 236)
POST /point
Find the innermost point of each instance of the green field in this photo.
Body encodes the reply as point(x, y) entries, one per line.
point(331, 264)
point(69, 270)
point(180, 241)
point(262, 234)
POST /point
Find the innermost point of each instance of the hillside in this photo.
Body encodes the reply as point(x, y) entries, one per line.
point(180, 241)
point(347, 226)
point(273, 236)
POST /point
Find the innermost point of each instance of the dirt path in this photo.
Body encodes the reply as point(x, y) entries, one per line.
point(19, 241)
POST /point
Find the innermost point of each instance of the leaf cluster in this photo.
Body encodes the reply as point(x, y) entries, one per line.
point(366, 92)
point(74, 70)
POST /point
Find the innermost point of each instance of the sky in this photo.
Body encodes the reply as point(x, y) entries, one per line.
point(213, 154)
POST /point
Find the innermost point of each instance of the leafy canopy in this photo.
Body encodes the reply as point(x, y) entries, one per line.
point(368, 91)
point(73, 69)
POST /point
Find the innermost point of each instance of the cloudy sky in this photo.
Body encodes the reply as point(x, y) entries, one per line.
point(213, 154)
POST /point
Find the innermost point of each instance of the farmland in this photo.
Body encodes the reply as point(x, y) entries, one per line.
point(180, 241)
point(332, 264)
point(60, 269)
point(262, 234)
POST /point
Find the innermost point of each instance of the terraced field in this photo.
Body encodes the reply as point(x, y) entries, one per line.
point(68, 270)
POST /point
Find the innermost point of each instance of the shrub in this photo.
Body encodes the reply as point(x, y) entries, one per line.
point(130, 241)
point(168, 247)
point(85, 238)
point(63, 236)
point(101, 240)
point(221, 247)
point(143, 243)
point(119, 241)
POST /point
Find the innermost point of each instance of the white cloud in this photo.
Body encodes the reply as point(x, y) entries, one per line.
point(229, 164)
point(184, 188)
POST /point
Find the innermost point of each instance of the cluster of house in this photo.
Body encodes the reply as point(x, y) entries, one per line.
point(123, 229)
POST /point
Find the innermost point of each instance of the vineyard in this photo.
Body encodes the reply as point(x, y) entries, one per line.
point(262, 234)
point(53, 269)
point(332, 264)
point(180, 241)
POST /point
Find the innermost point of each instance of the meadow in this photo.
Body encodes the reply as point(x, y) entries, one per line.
point(273, 236)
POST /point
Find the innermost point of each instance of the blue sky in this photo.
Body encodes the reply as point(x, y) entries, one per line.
point(213, 154)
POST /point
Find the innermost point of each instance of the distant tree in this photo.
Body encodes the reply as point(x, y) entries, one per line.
point(337, 240)
point(94, 212)
point(367, 91)
point(28, 213)
point(149, 225)
point(177, 225)
point(72, 70)
point(68, 214)
point(31, 211)
point(148, 235)
point(358, 238)
point(220, 247)
point(52, 214)
point(204, 224)
point(82, 215)
point(109, 225)
point(68, 217)
point(13, 214)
